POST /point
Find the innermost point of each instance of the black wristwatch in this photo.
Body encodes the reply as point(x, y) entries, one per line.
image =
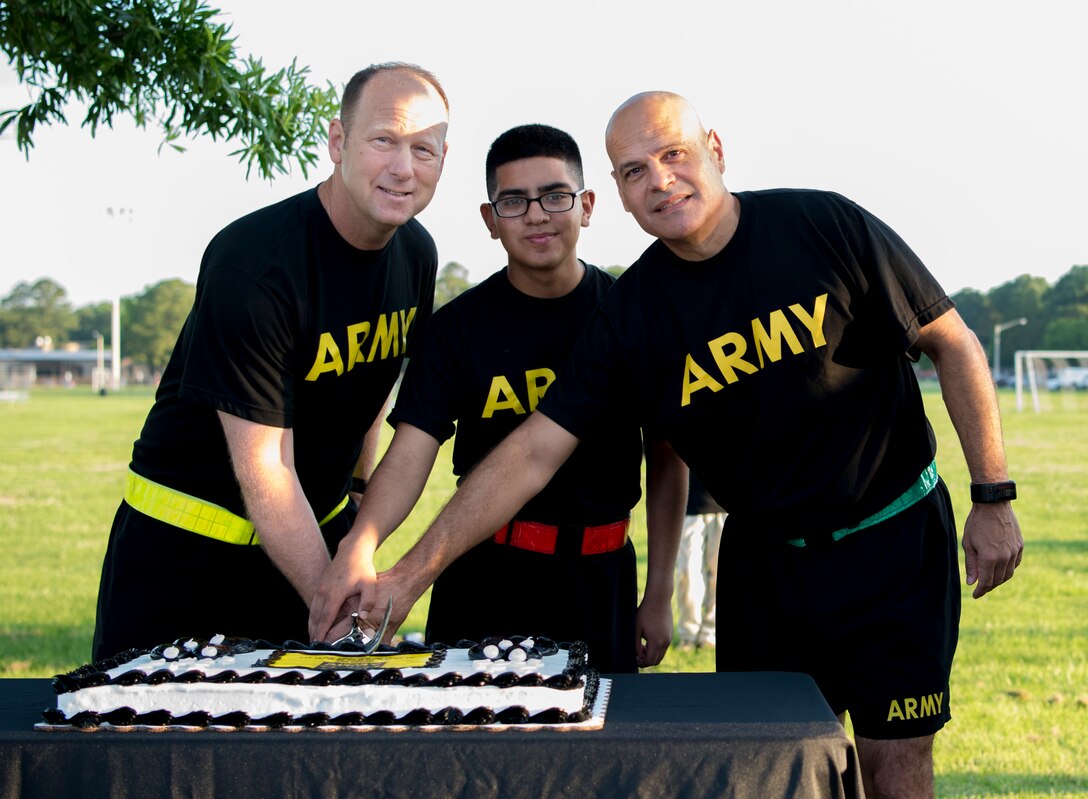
point(993, 492)
point(358, 485)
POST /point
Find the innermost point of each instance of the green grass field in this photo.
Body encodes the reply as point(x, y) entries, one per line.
point(1020, 684)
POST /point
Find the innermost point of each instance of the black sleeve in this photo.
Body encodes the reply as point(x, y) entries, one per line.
point(427, 394)
point(240, 351)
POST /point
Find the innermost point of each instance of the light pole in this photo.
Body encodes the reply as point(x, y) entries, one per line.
point(120, 249)
point(997, 342)
point(100, 369)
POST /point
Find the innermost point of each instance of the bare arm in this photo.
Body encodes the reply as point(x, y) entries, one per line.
point(666, 497)
point(394, 489)
point(368, 456)
point(992, 543)
point(512, 474)
point(264, 463)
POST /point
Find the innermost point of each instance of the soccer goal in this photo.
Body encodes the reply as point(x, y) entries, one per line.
point(1056, 370)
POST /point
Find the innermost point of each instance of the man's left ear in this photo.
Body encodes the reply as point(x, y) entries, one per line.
point(589, 198)
point(714, 142)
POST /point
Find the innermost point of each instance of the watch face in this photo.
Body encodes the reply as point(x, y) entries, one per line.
point(993, 492)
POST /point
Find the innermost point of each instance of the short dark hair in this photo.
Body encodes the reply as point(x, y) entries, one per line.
point(354, 90)
point(531, 141)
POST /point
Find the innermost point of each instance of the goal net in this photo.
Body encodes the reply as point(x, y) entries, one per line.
point(1049, 370)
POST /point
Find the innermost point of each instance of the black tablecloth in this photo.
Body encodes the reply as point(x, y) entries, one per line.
point(665, 735)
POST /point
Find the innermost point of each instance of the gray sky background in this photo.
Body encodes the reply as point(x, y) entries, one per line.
point(961, 124)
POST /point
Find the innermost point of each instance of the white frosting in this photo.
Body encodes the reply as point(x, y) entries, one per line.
point(264, 699)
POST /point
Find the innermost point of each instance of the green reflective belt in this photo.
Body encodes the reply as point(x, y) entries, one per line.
point(921, 487)
point(195, 515)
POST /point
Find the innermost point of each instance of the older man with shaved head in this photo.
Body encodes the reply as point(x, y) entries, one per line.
point(768, 336)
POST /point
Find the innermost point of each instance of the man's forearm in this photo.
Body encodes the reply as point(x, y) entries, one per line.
point(666, 497)
point(992, 543)
point(288, 531)
point(395, 486)
point(368, 455)
point(263, 461)
point(968, 394)
point(514, 472)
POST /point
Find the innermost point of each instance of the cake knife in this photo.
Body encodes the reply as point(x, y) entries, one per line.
point(359, 638)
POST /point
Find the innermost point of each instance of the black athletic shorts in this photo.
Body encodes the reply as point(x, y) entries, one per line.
point(160, 583)
point(874, 617)
point(500, 590)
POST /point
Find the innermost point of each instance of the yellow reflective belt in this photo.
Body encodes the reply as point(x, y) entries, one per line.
point(195, 515)
point(332, 514)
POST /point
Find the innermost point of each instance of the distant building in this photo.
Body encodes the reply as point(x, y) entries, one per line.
point(34, 366)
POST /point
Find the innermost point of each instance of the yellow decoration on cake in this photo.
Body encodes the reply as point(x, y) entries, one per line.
point(348, 662)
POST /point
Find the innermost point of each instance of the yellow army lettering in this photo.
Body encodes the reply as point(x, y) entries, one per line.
point(728, 350)
point(389, 341)
point(911, 708)
point(502, 397)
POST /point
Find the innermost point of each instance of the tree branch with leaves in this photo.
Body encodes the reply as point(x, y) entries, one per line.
point(166, 62)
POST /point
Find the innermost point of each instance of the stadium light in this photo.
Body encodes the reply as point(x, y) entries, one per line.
point(997, 342)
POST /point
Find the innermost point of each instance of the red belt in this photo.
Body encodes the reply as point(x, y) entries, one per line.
point(537, 537)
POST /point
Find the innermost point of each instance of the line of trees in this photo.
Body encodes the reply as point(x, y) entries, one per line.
point(150, 321)
point(1057, 314)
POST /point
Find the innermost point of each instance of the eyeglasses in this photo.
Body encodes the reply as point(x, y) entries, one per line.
point(554, 202)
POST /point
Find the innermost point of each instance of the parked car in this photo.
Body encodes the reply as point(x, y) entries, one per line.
point(1071, 377)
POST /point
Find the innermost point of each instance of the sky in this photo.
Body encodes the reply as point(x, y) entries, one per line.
point(960, 124)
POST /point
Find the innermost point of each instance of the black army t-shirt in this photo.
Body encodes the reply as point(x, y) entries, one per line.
point(489, 357)
point(291, 327)
point(779, 369)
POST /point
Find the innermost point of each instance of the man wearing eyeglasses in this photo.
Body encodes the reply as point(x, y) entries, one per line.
point(563, 566)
